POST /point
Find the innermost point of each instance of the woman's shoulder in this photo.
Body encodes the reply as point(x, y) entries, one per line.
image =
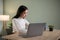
point(14, 19)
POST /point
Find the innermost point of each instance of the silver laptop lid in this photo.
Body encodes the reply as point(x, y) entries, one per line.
point(36, 29)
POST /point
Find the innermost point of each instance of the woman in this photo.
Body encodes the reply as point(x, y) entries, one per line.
point(19, 22)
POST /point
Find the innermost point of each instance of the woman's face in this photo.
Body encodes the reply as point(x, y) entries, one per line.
point(24, 14)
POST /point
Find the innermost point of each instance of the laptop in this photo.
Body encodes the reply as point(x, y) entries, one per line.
point(35, 29)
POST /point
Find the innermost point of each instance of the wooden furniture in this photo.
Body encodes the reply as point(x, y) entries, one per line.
point(47, 35)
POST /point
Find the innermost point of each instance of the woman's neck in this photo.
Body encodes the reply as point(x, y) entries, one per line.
point(21, 17)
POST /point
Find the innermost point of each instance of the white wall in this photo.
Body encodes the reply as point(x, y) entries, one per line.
point(39, 10)
point(1, 12)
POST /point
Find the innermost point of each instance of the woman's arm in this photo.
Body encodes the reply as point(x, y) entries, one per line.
point(26, 24)
point(17, 27)
point(14, 27)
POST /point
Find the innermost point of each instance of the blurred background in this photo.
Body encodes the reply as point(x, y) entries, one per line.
point(40, 11)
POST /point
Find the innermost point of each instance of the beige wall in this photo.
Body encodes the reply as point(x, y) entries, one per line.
point(1, 12)
point(39, 10)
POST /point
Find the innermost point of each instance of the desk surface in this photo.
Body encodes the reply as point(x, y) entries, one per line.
point(47, 35)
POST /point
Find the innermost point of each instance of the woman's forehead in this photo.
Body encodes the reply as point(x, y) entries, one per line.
point(26, 10)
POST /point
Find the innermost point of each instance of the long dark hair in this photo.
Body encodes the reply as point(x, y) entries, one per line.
point(21, 9)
